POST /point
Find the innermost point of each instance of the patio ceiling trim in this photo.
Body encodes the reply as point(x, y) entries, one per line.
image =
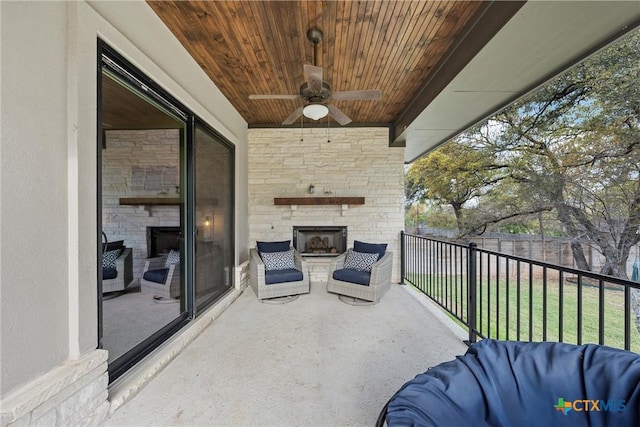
point(494, 16)
point(555, 35)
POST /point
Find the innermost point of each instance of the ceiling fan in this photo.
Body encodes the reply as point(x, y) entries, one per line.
point(316, 93)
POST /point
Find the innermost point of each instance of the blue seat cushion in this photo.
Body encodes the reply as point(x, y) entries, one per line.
point(109, 273)
point(353, 276)
point(273, 246)
point(158, 275)
point(370, 248)
point(281, 276)
point(508, 383)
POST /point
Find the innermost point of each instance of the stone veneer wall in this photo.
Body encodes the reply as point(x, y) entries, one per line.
point(356, 162)
point(74, 393)
point(139, 163)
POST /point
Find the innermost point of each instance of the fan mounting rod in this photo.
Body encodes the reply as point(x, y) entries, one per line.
point(315, 35)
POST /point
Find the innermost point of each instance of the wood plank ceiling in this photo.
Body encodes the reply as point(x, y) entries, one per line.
point(398, 47)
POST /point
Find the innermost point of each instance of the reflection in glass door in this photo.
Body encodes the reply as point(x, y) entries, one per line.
point(142, 151)
point(165, 214)
point(214, 171)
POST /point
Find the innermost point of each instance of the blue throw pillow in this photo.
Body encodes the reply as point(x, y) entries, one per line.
point(172, 258)
point(273, 246)
point(278, 260)
point(359, 261)
point(370, 248)
point(109, 258)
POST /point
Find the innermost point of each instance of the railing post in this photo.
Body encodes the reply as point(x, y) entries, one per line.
point(471, 291)
point(402, 255)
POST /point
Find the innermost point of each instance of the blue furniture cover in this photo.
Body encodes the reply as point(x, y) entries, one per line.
point(507, 383)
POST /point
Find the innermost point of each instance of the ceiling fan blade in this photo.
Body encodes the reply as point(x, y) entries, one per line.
point(338, 115)
point(293, 116)
point(357, 95)
point(313, 75)
point(274, 96)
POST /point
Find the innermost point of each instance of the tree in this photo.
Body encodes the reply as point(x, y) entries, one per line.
point(454, 175)
point(575, 147)
point(571, 147)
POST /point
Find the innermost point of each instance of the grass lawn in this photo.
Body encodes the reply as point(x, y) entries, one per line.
point(498, 300)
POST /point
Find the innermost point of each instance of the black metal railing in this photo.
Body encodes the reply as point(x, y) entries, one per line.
point(501, 296)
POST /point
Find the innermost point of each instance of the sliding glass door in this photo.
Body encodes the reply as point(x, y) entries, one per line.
point(165, 214)
point(213, 184)
point(142, 164)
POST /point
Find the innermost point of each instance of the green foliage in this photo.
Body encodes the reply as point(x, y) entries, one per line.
point(414, 215)
point(562, 160)
point(431, 215)
point(456, 174)
point(439, 216)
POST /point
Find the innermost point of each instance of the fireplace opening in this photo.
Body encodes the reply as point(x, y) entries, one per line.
point(320, 240)
point(160, 240)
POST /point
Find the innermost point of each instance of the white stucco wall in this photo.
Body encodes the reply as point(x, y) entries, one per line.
point(34, 270)
point(48, 309)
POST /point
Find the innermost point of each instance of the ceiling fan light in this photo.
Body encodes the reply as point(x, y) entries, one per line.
point(315, 111)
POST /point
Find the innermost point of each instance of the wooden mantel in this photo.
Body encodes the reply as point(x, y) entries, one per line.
point(292, 201)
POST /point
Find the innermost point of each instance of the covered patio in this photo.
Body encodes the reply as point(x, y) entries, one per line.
point(313, 361)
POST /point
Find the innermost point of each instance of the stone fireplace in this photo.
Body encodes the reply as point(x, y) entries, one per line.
point(139, 164)
point(319, 241)
point(160, 240)
point(294, 174)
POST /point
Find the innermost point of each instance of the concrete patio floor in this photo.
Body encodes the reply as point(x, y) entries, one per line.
point(313, 362)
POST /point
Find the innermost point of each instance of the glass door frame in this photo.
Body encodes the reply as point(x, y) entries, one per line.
point(187, 214)
point(130, 73)
point(191, 206)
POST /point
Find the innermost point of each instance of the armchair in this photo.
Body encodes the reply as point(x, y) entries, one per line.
point(360, 279)
point(117, 279)
point(277, 278)
point(161, 276)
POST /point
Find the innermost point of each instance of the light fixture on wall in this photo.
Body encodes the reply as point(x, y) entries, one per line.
point(207, 229)
point(315, 111)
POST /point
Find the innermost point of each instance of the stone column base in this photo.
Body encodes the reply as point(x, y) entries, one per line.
point(74, 393)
